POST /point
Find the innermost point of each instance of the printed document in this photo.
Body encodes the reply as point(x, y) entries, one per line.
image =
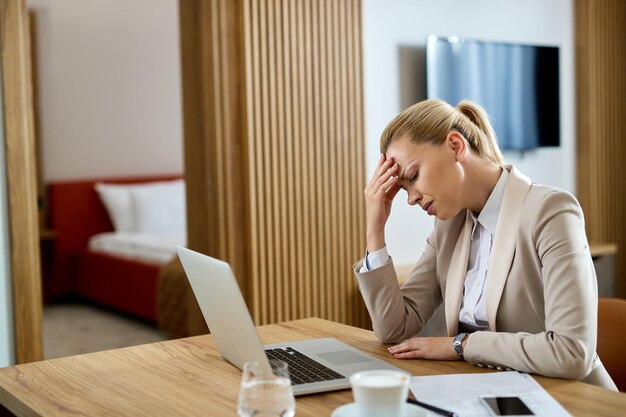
point(461, 392)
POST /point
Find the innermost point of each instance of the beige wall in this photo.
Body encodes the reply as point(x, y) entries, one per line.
point(109, 87)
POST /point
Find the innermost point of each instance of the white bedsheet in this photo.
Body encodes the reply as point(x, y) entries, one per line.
point(158, 248)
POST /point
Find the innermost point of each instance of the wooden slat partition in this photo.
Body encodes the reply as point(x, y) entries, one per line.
point(305, 149)
point(601, 125)
point(276, 130)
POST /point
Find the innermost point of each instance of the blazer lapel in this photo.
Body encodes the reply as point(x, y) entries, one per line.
point(456, 276)
point(515, 191)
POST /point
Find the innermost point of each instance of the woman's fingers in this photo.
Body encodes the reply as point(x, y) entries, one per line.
point(382, 168)
point(383, 165)
point(380, 182)
point(405, 346)
point(393, 189)
point(389, 183)
point(376, 204)
point(410, 349)
point(414, 354)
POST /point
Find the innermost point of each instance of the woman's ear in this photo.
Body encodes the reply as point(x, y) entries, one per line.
point(458, 145)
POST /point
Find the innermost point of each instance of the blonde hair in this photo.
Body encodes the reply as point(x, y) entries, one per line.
point(430, 121)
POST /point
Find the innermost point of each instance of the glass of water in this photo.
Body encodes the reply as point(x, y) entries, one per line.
point(266, 391)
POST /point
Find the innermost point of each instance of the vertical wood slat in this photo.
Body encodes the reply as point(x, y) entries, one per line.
point(267, 296)
point(323, 172)
point(312, 132)
point(330, 187)
point(347, 137)
point(271, 164)
point(296, 295)
point(359, 139)
point(19, 143)
point(274, 150)
point(600, 103)
point(302, 230)
point(218, 162)
point(344, 172)
point(312, 149)
point(284, 252)
point(252, 123)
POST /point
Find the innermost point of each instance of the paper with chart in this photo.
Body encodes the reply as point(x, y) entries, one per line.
point(460, 392)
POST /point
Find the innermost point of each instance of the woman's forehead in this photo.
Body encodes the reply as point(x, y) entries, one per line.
point(404, 148)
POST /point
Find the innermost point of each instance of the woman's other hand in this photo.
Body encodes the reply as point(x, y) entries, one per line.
point(432, 348)
point(379, 194)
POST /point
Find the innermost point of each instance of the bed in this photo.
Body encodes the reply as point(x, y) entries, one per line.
point(82, 269)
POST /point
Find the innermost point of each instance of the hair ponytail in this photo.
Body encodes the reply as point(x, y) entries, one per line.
point(430, 121)
point(485, 137)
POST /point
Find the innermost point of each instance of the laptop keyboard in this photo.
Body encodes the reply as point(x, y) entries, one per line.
point(302, 369)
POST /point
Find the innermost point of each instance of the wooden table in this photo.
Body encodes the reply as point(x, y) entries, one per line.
point(188, 377)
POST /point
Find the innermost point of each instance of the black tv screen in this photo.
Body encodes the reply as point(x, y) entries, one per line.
point(518, 85)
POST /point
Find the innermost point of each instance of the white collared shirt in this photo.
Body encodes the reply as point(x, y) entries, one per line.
point(473, 314)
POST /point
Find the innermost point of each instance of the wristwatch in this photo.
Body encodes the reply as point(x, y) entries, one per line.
point(458, 345)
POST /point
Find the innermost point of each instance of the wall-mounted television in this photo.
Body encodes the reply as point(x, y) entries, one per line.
point(518, 85)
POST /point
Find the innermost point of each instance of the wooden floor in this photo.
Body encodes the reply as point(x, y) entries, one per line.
point(75, 328)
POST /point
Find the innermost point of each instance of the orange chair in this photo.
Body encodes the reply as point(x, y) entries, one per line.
point(612, 338)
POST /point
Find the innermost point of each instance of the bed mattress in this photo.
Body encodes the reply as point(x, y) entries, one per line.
point(156, 248)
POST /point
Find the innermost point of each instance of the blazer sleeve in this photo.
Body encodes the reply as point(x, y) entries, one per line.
point(401, 312)
point(566, 349)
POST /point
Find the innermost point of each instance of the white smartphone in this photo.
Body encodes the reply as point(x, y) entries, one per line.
point(506, 406)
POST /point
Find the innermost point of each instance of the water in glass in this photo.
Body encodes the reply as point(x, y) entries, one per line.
point(266, 392)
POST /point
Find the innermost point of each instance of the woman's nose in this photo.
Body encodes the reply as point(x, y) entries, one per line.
point(414, 197)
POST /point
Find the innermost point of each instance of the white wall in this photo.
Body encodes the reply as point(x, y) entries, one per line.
point(393, 43)
point(109, 87)
point(7, 348)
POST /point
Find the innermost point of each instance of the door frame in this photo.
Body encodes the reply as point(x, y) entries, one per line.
point(19, 142)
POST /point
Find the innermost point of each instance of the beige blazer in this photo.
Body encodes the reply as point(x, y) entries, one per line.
point(541, 288)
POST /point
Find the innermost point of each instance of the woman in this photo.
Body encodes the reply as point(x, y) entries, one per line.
point(506, 280)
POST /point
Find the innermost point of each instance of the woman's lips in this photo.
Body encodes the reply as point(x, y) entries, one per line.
point(427, 207)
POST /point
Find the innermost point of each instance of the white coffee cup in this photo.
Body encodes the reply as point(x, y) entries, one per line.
point(379, 393)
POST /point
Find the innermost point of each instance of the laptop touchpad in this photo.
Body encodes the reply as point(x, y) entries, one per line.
point(343, 357)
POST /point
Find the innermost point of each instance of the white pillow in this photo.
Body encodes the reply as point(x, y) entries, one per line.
point(118, 204)
point(147, 207)
point(160, 207)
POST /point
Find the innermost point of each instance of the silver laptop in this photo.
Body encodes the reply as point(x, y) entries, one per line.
point(315, 365)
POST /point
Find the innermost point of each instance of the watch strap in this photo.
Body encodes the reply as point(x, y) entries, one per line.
point(458, 345)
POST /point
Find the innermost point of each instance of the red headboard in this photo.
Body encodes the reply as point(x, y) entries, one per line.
point(75, 213)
